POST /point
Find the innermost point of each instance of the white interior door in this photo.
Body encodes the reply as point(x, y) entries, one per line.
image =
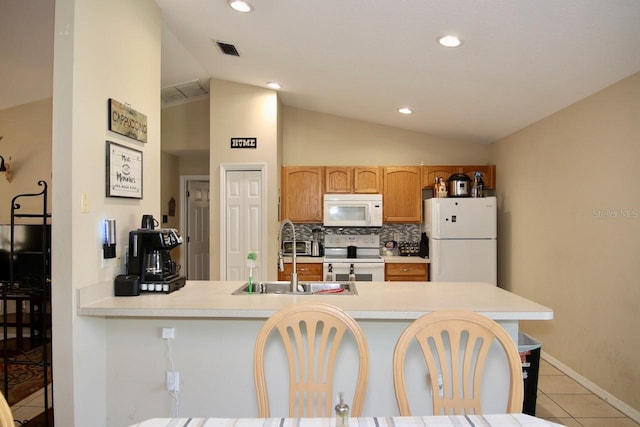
point(244, 218)
point(197, 230)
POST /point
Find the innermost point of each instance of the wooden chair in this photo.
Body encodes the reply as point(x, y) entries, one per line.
point(311, 361)
point(455, 344)
point(6, 417)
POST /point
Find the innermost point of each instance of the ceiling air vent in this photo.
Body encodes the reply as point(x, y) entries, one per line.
point(183, 91)
point(228, 49)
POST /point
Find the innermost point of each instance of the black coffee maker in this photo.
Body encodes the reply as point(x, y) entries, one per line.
point(149, 259)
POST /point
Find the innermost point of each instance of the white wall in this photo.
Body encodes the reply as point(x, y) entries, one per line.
point(311, 138)
point(27, 141)
point(102, 50)
point(569, 228)
point(239, 110)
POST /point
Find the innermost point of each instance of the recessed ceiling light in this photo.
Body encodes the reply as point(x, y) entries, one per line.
point(274, 85)
point(240, 6)
point(405, 110)
point(449, 41)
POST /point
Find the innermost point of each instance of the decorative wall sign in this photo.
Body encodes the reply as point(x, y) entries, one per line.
point(244, 142)
point(124, 171)
point(126, 121)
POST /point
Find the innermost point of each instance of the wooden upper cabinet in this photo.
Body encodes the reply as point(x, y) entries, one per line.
point(488, 174)
point(402, 194)
point(301, 191)
point(367, 179)
point(430, 173)
point(347, 179)
point(338, 179)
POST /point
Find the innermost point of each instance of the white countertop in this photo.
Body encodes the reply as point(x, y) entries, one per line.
point(305, 259)
point(405, 259)
point(387, 259)
point(375, 300)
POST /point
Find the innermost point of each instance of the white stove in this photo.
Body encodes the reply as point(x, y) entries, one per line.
point(340, 262)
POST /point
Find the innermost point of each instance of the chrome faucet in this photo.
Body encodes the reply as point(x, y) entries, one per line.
point(294, 270)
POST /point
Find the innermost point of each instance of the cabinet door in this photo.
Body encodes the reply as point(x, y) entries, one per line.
point(405, 272)
point(301, 194)
point(402, 194)
point(488, 174)
point(367, 180)
point(307, 272)
point(338, 179)
point(430, 173)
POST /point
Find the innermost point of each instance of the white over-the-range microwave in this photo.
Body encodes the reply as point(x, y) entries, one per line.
point(352, 210)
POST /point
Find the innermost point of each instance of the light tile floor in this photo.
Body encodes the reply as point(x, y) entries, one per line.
point(31, 406)
point(560, 399)
point(564, 401)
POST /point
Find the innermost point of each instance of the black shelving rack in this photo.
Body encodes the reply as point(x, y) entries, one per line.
point(37, 291)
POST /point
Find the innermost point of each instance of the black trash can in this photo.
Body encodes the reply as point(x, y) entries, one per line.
point(529, 349)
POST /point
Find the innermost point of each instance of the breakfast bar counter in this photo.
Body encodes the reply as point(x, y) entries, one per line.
point(214, 332)
point(375, 300)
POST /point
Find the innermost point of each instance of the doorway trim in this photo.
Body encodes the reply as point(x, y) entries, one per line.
point(184, 179)
point(224, 168)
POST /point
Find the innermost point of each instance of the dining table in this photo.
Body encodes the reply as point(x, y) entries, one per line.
point(487, 420)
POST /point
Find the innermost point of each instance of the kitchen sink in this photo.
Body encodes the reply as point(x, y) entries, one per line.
point(304, 288)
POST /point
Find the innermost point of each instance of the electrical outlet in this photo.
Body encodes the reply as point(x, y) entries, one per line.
point(168, 333)
point(173, 380)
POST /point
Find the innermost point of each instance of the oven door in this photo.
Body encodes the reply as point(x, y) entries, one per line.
point(364, 271)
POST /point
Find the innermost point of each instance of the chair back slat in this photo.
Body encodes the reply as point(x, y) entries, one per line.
point(455, 345)
point(312, 334)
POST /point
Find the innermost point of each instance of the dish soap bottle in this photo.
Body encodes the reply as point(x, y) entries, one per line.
point(352, 275)
point(342, 412)
point(329, 277)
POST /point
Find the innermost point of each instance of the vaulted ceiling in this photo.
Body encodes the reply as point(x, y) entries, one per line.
point(519, 62)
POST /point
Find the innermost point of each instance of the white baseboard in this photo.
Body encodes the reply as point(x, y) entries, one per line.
point(630, 412)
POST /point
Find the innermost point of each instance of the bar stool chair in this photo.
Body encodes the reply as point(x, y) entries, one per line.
point(311, 362)
point(6, 417)
point(455, 344)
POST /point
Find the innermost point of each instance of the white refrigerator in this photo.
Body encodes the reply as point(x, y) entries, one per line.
point(462, 234)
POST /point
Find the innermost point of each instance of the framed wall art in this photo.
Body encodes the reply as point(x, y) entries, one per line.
point(126, 121)
point(124, 171)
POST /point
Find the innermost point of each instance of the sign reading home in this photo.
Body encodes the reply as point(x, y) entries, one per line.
point(244, 142)
point(126, 121)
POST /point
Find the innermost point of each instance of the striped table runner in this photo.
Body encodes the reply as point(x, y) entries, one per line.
point(497, 420)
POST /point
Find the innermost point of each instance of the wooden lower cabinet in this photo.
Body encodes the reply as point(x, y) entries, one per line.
point(405, 272)
point(306, 271)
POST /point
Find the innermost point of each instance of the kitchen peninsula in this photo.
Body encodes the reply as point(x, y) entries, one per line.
point(215, 333)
